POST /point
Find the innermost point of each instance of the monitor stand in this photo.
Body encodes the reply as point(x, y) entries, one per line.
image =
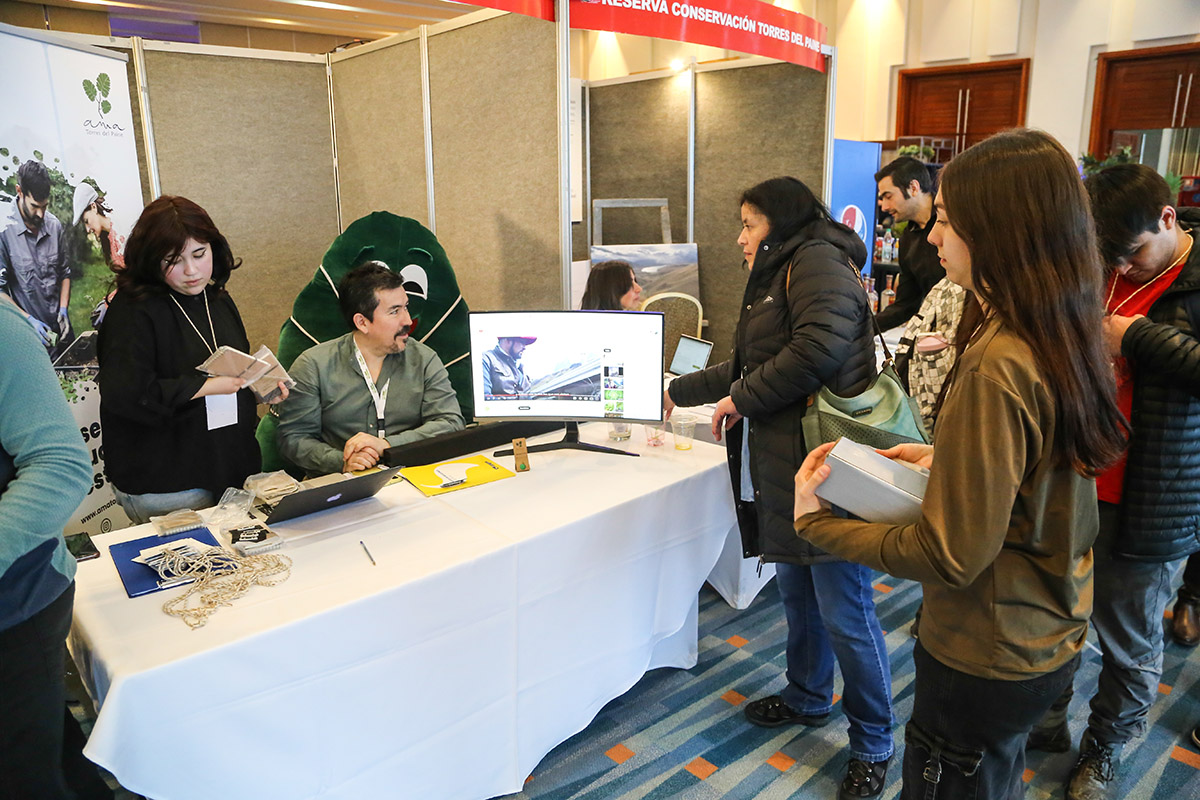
point(569, 442)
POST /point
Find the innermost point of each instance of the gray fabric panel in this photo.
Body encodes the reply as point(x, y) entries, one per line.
point(249, 141)
point(753, 123)
point(639, 149)
point(495, 132)
point(380, 133)
point(135, 109)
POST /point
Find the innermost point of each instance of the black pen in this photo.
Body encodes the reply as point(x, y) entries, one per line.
point(368, 552)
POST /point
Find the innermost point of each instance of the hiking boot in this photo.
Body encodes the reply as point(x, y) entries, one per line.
point(863, 779)
point(772, 712)
point(1095, 774)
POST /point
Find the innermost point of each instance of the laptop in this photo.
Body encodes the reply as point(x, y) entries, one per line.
point(327, 495)
point(691, 355)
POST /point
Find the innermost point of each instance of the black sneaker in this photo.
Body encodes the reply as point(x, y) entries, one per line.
point(1095, 773)
point(863, 779)
point(772, 712)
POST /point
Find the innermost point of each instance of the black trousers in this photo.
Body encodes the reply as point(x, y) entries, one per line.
point(966, 737)
point(32, 698)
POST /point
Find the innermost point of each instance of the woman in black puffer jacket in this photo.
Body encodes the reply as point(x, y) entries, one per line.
point(804, 324)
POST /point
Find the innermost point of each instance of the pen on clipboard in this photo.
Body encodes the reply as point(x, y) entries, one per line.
point(368, 552)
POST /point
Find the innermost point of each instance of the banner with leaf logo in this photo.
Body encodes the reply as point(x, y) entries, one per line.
point(67, 116)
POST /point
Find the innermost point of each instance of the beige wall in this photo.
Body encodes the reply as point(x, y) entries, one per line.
point(878, 38)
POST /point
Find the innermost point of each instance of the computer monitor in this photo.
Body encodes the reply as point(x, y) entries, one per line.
point(568, 366)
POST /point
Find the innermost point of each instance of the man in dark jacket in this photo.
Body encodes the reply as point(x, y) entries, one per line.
point(1149, 502)
point(906, 193)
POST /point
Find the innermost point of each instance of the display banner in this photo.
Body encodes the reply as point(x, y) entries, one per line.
point(747, 26)
point(542, 9)
point(852, 200)
point(68, 124)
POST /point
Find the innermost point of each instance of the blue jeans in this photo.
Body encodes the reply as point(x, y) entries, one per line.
point(1130, 598)
point(966, 737)
point(830, 611)
point(140, 507)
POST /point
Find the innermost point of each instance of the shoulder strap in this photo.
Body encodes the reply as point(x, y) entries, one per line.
point(887, 353)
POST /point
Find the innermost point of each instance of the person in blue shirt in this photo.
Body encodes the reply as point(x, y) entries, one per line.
point(45, 472)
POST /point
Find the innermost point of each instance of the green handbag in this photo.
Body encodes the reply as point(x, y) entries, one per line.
point(881, 416)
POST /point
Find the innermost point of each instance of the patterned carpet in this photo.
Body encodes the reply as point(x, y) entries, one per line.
point(681, 734)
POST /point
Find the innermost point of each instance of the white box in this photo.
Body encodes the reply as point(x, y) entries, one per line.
point(871, 486)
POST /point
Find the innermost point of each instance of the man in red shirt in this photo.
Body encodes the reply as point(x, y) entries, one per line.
point(1149, 502)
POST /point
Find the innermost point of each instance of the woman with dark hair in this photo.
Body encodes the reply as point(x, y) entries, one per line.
point(173, 438)
point(92, 211)
point(611, 286)
point(1003, 546)
point(805, 324)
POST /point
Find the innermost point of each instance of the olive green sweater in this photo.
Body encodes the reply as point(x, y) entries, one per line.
point(1003, 547)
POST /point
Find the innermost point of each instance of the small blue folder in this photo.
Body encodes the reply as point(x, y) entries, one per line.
point(140, 579)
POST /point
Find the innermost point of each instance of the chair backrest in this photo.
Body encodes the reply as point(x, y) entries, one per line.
point(682, 314)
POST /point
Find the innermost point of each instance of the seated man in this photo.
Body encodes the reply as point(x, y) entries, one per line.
point(371, 389)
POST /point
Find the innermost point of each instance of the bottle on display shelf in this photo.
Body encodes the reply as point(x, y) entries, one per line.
point(872, 295)
point(889, 295)
point(889, 246)
point(879, 243)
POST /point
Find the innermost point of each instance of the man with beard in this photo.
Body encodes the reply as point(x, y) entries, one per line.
point(35, 270)
point(374, 388)
point(906, 193)
point(503, 372)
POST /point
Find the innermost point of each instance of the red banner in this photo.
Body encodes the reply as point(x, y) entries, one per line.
point(542, 9)
point(747, 26)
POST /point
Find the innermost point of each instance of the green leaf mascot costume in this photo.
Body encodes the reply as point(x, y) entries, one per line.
point(437, 306)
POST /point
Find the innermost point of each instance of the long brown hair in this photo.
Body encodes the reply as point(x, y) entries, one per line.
point(1017, 201)
point(159, 234)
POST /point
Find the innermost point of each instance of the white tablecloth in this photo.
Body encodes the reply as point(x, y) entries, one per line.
point(498, 621)
point(737, 579)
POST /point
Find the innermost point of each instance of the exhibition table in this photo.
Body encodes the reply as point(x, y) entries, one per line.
point(498, 622)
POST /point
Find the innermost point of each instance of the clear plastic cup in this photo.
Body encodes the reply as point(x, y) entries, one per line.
point(619, 431)
point(683, 430)
point(656, 434)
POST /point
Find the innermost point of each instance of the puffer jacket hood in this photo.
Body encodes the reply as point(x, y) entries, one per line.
point(804, 324)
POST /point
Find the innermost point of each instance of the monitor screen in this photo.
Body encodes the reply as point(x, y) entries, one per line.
point(567, 365)
point(691, 355)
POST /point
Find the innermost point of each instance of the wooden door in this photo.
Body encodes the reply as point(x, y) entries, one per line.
point(967, 103)
point(1145, 89)
point(934, 106)
point(994, 102)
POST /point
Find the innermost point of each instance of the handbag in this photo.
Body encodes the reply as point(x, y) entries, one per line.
point(880, 416)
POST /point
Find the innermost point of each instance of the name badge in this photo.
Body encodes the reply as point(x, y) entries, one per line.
point(222, 410)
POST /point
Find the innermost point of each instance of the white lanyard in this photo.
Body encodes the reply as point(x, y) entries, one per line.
point(212, 349)
point(380, 398)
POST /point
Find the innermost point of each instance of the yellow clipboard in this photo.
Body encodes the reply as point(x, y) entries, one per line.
point(458, 473)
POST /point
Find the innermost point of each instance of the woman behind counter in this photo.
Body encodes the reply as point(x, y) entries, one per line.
point(1003, 546)
point(173, 438)
point(611, 286)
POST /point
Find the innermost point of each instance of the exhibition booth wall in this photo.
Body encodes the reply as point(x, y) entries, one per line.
point(285, 150)
point(753, 121)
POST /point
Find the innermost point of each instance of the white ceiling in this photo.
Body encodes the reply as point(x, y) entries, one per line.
point(369, 19)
